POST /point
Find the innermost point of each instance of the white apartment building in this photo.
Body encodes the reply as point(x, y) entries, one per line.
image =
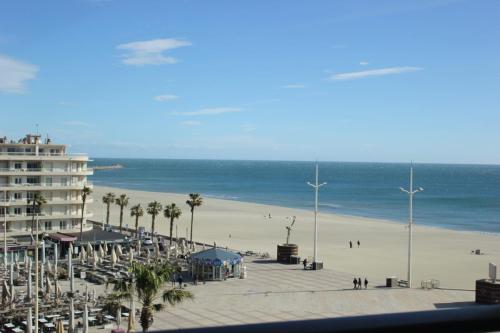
point(29, 166)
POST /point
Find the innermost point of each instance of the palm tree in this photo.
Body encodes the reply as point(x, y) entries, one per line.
point(136, 211)
point(172, 212)
point(37, 202)
point(154, 208)
point(121, 201)
point(195, 200)
point(108, 199)
point(85, 193)
point(147, 284)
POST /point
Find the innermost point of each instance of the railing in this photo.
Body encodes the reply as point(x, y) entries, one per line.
point(43, 215)
point(16, 153)
point(49, 184)
point(24, 201)
point(468, 319)
point(42, 170)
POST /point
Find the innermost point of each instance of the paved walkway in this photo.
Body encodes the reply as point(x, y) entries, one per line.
point(276, 292)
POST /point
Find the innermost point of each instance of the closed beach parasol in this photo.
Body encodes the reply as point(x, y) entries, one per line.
point(49, 267)
point(118, 316)
point(119, 251)
point(101, 251)
point(83, 255)
point(95, 260)
point(86, 319)
point(157, 250)
point(71, 325)
point(113, 258)
point(29, 321)
point(60, 326)
point(89, 248)
point(131, 318)
point(48, 289)
point(5, 293)
point(58, 289)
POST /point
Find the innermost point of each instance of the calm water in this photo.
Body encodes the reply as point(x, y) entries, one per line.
point(465, 197)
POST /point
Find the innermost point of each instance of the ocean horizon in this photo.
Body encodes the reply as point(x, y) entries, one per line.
point(456, 196)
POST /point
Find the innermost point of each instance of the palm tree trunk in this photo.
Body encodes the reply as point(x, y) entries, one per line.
point(171, 229)
point(136, 226)
point(153, 225)
point(121, 218)
point(81, 222)
point(191, 236)
point(107, 214)
point(146, 314)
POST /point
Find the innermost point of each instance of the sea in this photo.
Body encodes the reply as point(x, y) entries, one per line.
point(460, 197)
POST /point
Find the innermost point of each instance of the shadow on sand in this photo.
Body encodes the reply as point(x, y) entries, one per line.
point(454, 305)
point(264, 261)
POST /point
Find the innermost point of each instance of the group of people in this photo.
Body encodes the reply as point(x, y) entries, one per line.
point(350, 244)
point(358, 283)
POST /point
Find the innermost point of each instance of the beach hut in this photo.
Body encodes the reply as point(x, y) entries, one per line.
point(215, 264)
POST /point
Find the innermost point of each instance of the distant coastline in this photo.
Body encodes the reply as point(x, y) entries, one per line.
point(108, 167)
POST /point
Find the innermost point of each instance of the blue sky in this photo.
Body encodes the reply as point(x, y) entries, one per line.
point(281, 80)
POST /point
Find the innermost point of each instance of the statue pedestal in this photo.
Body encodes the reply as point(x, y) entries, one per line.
point(487, 292)
point(285, 251)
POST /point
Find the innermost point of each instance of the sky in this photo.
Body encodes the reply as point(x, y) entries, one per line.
point(351, 80)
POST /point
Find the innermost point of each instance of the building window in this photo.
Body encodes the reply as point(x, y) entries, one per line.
point(18, 196)
point(32, 180)
point(2, 211)
point(48, 225)
point(30, 195)
point(18, 166)
point(29, 210)
point(18, 180)
point(63, 225)
point(17, 211)
point(74, 224)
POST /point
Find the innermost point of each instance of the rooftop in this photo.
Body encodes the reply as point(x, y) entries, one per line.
point(29, 139)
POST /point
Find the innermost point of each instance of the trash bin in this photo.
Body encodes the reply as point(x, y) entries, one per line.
point(294, 259)
point(391, 281)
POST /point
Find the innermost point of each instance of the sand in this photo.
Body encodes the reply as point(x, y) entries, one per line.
point(439, 254)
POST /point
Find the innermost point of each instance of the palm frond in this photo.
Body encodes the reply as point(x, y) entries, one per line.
point(175, 296)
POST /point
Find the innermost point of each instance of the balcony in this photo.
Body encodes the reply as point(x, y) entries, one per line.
point(19, 156)
point(45, 171)
point(43, 216)
point(45, 186)
point(24, 202)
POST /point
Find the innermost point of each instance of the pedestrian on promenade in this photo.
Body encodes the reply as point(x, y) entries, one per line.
point(366, 283)
point(355, 281)
point(350, 244)
point(179, 279)
point(304, 262)
point(359, 283)
point(359, 243)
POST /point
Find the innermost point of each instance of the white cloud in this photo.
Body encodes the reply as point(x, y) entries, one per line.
point(163, 98)
point(294, 86)
point(151, 52)
point(207, 112)
point(76, 123)
point(190, 123)
point(373, 72)
point(14, 74)
point(248, 128)
point(364, 63)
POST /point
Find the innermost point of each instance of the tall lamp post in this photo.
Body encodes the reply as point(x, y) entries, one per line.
point(410, 193)
point(5, 229)
point(316, 187)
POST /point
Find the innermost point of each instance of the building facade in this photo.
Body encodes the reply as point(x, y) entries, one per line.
point(31, 166)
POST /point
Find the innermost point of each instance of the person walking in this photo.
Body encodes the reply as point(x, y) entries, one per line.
point(366, 283)
point(304, 262)
point(350, 244)
point(355, 281)
point(179, 279)
point(359, 283)
point(359, 243)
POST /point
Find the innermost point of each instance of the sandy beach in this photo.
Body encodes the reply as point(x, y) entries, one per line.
point(438, 253)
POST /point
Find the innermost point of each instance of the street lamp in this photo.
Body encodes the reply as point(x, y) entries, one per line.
point(316, 187)
point(410, 193)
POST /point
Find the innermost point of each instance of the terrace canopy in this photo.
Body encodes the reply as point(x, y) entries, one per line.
point(215, 264)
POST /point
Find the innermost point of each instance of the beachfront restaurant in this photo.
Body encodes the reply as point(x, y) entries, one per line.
point(215, 265)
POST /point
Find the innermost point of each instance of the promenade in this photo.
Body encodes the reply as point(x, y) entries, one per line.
point(277, 292)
